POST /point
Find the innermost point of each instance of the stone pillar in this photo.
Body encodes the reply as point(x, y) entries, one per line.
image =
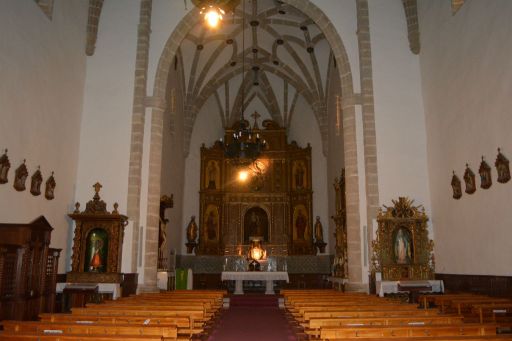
point(367, 101)
point(137, 134)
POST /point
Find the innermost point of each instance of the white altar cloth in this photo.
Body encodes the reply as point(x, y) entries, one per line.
point(268, 276)
point(391, 287)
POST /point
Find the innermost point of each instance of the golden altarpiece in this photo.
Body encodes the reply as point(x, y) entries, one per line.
point(402, 250)
point(97, 243)
point(273, 203)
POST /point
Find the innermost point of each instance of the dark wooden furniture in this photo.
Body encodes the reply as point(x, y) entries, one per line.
point(28, 268)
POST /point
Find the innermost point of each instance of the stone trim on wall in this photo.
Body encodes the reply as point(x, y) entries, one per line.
point(369, 134)
point(137, 133)
point(93, 20)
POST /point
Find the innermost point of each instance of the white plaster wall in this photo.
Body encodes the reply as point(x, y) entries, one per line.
point(42, 64)
point(107, 111)
point(207, 129)
point(399, 114)
point(467, 76)
point(304, 129)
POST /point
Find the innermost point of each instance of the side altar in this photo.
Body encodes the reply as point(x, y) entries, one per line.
point(97, 243)
point(403, 259)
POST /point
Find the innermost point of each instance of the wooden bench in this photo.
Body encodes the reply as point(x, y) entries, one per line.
point(182, 323)
point(328, 333)
point(36, 328)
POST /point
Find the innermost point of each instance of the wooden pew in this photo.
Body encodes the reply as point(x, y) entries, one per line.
point(76, 337)
point(182, 323)
point(329, 333)
point(314, 325)
point(36, 328)
point(435, 338)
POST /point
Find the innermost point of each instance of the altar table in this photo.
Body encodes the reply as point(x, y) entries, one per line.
point(268, 276)
point(391, 287)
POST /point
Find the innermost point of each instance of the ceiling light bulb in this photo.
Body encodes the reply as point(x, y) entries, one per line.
point(213, 16)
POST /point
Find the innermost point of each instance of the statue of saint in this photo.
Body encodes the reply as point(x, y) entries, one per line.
point(192, 230)
point(299, 176)
point(211, 226)
point(319, 232)
point(403, 253)
point(212, 174)
point(300, 225)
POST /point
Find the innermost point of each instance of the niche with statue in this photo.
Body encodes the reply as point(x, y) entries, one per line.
point(402, 250)
point(97, 242)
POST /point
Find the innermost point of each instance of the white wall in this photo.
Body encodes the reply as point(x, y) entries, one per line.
point(107, 111)
point(207, 129)
point(467, 76)
point(399, 114)
point(304, 129)
point(42, 64)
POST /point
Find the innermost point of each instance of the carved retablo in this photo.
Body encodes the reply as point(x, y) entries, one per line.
point(402, 249)
point(269, 198)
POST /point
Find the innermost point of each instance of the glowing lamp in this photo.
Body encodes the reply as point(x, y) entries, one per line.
point(213, 15)
point(256, 253)
point(243, 175)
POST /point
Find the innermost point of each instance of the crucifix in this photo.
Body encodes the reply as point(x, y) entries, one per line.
point(256, 116)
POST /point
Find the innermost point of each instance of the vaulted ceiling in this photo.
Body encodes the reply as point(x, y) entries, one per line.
point(264, 51)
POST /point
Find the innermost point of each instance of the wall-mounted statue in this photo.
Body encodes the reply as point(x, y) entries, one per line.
point(36, 181)
point(49, 192)
point(469, 179)
point(20, 177)
point(502, 166)
point(485, 175)
point(4, 168)
point(456, 186)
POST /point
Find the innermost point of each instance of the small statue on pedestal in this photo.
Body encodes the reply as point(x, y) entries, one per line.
point(319, 236)
point(192, 231)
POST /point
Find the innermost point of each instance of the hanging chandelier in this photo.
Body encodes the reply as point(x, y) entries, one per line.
point(213, 11)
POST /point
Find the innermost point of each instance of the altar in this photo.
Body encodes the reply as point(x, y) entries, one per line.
point(269, 277)
point(393, 287)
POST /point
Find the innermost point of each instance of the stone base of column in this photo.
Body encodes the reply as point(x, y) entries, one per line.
point(356, 287)
point(147, 288)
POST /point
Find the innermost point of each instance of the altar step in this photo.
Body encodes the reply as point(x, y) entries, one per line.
point(254, 300)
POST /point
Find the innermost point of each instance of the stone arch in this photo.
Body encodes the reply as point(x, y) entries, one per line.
point(349, 136)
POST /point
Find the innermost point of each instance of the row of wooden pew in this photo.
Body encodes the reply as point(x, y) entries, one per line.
point(333, 315)
point(474, 307)
point(174, 315)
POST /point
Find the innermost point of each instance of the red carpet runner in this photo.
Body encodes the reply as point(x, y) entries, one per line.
point(253, 318)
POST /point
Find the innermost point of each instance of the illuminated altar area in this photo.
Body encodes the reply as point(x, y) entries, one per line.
point(269, 198)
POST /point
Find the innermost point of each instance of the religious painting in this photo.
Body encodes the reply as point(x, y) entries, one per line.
point(4, 168)
point(301, 230)
point(469, 179)
point(456, 186)
point(20, 177)
point(485, 174)
point(403, 246)
point(502, 166)
point(211, 224)
point(299, 175)
point(212, 175)
point(49, 192)
point(255, 225)
point(35, 184)
point(96, 251)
